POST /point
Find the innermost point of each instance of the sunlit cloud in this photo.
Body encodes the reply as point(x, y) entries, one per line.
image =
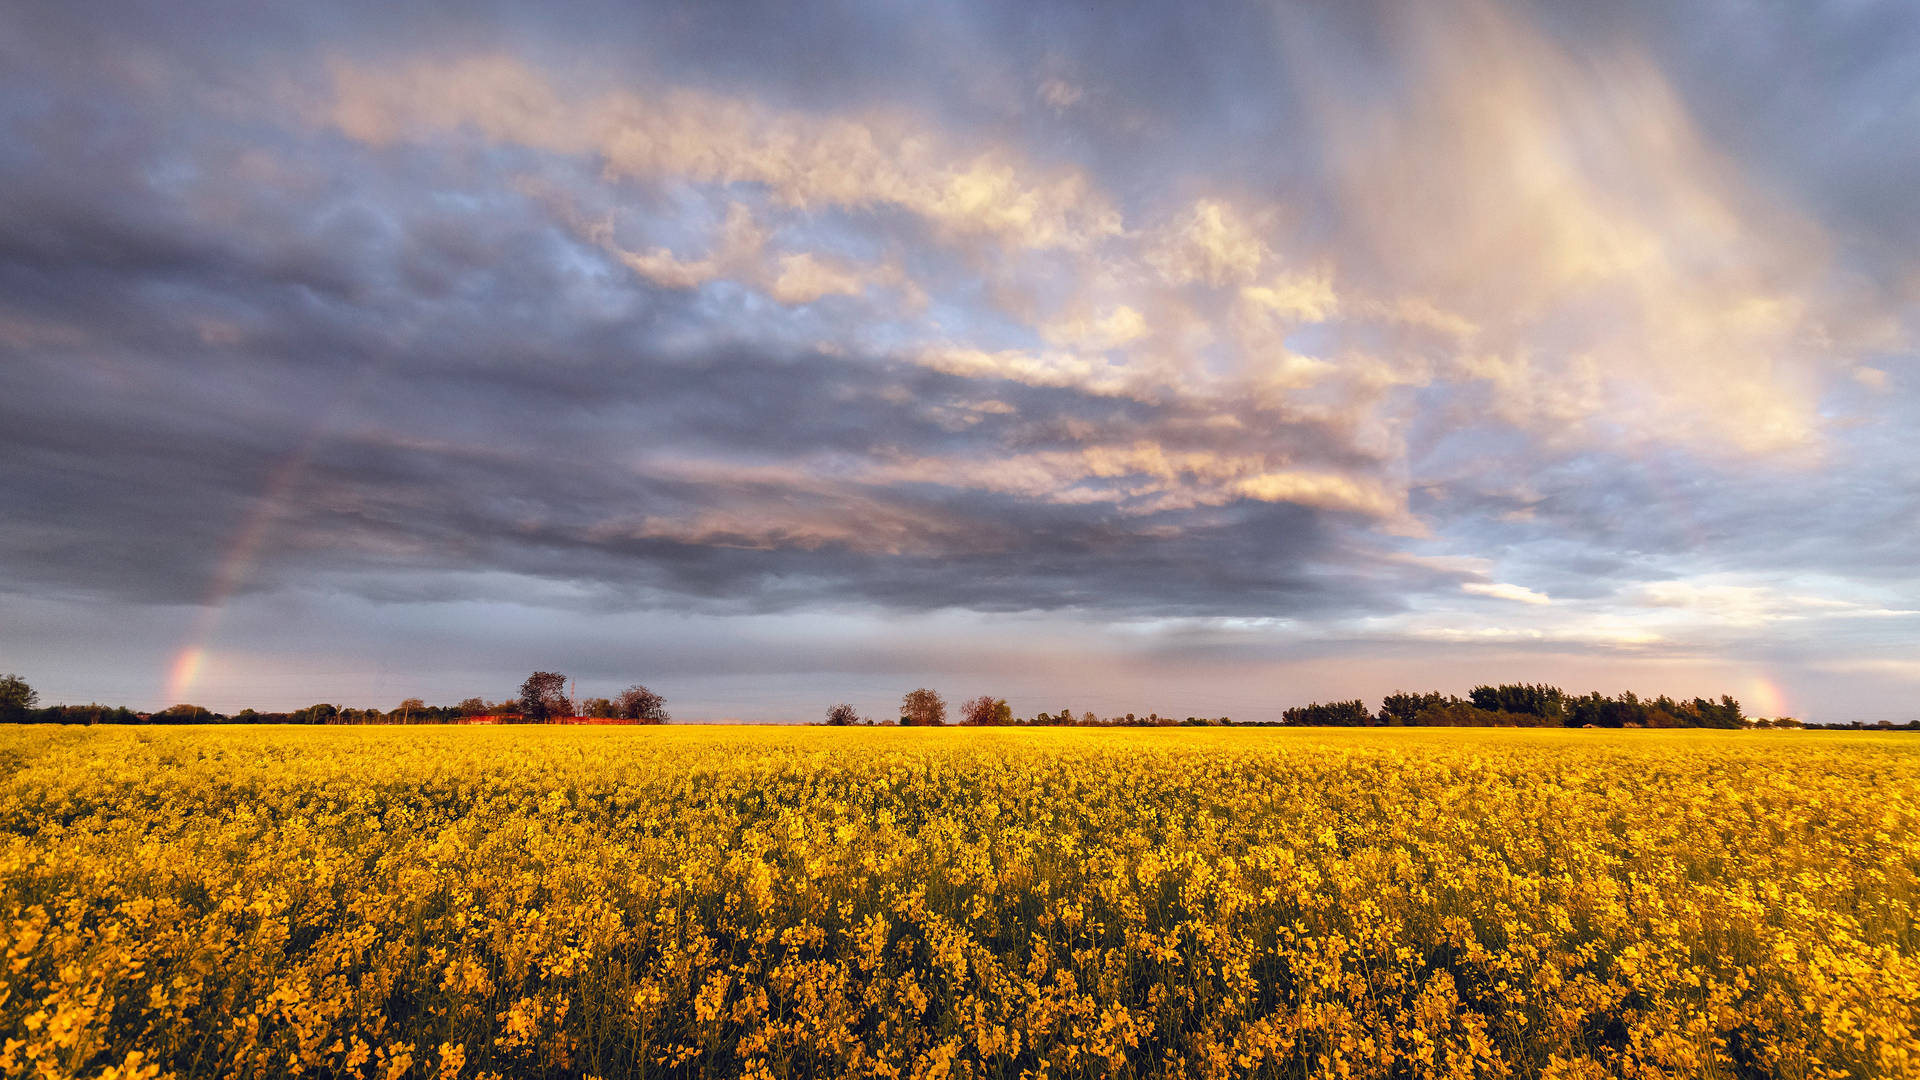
point(1211, 242)
point(738, 250)
point(1871, 377)
point(1501, 590)
point(1757, 605)
point(804, 160)
point(1300, 298)
point(1615, 273)
point(1593, 632)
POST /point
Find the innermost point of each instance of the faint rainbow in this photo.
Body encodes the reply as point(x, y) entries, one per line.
point(241, 552)
point(1766, 698)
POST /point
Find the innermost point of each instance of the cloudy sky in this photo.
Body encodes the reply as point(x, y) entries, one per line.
point(1196, 359)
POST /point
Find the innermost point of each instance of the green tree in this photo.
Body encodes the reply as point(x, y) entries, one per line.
point(1548, 703)
point(986, 710)
point(1333, 714)
point(17, 699)
point(923, 708)
point(1726, 714)
point(1399, 708)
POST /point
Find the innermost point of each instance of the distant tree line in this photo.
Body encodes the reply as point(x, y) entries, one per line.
point(1506, 705)
point(542, 699)
point(1522, 705)
point(926, 708)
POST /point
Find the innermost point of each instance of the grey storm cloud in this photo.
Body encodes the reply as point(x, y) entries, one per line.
point(1534, 321)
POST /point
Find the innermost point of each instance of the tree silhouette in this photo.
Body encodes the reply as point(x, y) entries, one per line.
point(637, 702)
point(16, 699)
point(544, 696)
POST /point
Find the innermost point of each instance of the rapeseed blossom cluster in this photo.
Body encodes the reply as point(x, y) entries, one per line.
point(389, 903)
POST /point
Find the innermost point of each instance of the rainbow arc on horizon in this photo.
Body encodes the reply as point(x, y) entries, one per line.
point(238, 560)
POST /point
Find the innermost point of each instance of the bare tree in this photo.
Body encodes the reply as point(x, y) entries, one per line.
point(637, 702)
point(923, 708)
point(843, 714)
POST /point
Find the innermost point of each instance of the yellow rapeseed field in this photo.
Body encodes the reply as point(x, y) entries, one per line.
point(759, 902)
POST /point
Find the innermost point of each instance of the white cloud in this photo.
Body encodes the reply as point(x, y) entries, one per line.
point(1871, 377)
point(1148, 477)
point(1503, 591)
point(804, 278)
point(1738, 605)
point(1057, 368)
point(1120, 326)
point(1594, 631)
point(1298, 297)
point(1060, 94)
point(1212, 243)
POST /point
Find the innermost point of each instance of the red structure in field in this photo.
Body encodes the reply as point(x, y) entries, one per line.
point(517, 718)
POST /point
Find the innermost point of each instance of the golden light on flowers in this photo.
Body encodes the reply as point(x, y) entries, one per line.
point(980, 903)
